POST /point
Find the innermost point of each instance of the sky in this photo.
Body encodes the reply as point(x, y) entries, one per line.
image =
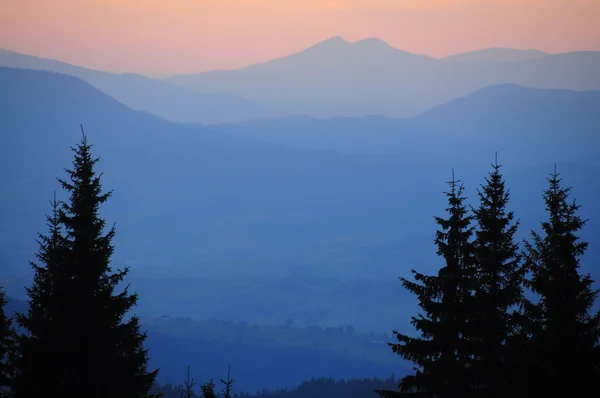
point(186, 36)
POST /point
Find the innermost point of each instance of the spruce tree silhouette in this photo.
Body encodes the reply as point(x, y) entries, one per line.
point(442, 352)
point(564, 334)
point(42, 348)
point(208, 389)
point(499, 288)
point(78, 343)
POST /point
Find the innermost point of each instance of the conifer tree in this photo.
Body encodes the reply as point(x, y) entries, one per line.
point(188, 390)
point(208, 389)
point(499, 288)
point(40, 348)
point(227, 389)
point(441, 354)
point(78, 342)
point(564, 333)
point(7, 349)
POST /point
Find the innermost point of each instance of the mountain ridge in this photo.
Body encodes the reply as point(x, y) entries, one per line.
point(331, 40)
point(369, 77)
point(151, 95)
point(504, 54)
point(332, 78)
point(498, 115)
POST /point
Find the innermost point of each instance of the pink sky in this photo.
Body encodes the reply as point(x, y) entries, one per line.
point(182, 36)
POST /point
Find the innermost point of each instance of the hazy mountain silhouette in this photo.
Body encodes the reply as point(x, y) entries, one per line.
point(194, 202)
point(369, 77)
point(155, 96)
point(499, 54)
point(333, 77)
point(527, 125)
point(150, 161)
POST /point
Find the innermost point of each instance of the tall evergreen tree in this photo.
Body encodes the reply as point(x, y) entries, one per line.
point(442, 353)
point(78, 341)
point(499, 288)
point(7, 348)
point(564, 333)
point(40, 348)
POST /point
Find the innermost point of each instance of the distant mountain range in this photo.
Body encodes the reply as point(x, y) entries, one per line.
point(525, 125)
point(154, 96)
point(241, 184)
point(497, 54)
point(333, 78)
point(369, 77)
point(237, 224)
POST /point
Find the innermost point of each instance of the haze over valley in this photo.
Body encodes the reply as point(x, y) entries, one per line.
point(266, 212)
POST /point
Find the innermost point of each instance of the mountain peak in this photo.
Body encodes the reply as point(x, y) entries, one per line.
point(332, 41)
point(337, 45)
point(371, 42)
point(328, 46)
point(335, 39)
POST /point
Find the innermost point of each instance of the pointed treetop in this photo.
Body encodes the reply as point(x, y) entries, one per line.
point(453, 183)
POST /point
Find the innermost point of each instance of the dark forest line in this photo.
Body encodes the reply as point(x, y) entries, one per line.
point(314, 388)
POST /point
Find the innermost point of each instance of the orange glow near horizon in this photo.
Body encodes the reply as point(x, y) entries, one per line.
point(183, 36)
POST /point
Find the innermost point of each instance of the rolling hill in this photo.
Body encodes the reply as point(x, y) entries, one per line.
point(154, 96)
point(526, 125)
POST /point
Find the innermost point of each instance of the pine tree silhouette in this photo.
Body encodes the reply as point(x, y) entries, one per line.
point(442, 352)
point(564, 334)
point(499, 288)
point(78, 342)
